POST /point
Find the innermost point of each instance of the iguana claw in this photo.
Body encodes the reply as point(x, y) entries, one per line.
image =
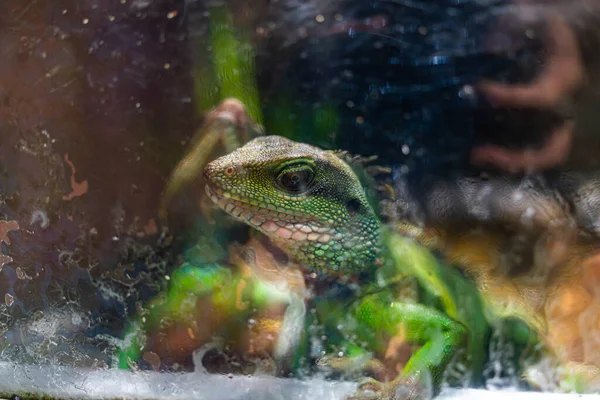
point(402, 388)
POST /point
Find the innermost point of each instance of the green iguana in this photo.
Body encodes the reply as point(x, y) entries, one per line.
point(311, 204)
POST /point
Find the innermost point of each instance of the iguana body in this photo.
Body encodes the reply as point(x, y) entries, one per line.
point(312, 205)
point(472, 221)
point(548, 290)
point(364, 328)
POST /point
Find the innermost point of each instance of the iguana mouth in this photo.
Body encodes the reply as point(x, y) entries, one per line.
point(271, 222)
point(236, 208)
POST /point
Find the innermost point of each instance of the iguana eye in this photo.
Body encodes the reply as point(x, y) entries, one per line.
point(295, 179)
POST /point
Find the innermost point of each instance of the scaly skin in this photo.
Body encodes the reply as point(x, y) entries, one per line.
point(308, 201)
point(312, 205)
point(203, 300)
point(494, 211)
point(404, 345)
point(550, 291)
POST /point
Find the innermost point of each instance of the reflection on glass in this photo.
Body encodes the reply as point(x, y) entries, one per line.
point(387, 199)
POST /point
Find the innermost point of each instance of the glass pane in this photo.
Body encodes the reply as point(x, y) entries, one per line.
point(299, 199)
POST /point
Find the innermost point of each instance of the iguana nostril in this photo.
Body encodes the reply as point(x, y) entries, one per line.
point(211, 174)
point(229, 171)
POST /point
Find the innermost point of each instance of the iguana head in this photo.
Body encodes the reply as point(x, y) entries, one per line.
point(308, 201)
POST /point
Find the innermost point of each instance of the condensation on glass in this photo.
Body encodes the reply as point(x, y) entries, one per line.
point(299, 199)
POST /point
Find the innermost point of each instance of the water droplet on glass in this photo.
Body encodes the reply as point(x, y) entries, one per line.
point(467, 92)
point(76, 319)
point(529, 213)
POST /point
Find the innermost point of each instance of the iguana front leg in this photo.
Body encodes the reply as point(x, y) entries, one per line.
point(389, 329)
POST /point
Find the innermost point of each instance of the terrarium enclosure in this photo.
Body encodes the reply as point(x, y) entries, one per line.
point(298, 199)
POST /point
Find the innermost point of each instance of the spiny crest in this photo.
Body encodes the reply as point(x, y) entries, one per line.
point(354, 160)
point(369, 175)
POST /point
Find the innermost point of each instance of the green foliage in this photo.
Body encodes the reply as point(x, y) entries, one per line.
point(229, 69)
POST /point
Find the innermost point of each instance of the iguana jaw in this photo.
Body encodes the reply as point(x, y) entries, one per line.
point(292, 238)
point(270, 222)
